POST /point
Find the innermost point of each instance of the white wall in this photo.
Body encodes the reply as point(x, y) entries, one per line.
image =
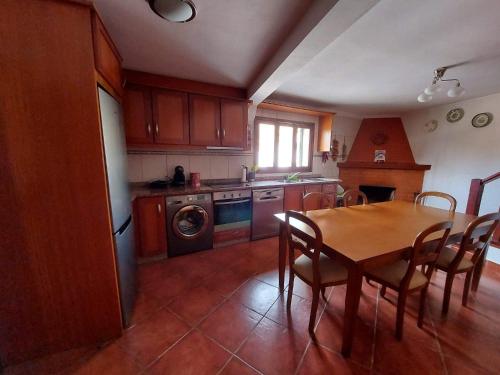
point(458, 152)
point(214, 165)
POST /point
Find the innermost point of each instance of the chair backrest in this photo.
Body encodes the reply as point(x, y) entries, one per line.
point(477, 237)
point(351, 197)
point(308, 240)
point(422, 197)
point(317, 200)
point(427, 253)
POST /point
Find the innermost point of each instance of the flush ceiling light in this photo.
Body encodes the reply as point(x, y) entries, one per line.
point(174, 10)
point(434, 88)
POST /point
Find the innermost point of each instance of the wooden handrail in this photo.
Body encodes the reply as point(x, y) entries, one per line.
point(491, 178)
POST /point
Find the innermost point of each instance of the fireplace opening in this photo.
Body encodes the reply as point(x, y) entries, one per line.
point(378, 193)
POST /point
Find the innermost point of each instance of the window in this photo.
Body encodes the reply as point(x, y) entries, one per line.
point(283, 146)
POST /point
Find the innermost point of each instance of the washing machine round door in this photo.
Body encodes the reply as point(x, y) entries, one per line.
point(190, 222)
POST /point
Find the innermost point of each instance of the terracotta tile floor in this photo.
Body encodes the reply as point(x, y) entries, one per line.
point(220, 312)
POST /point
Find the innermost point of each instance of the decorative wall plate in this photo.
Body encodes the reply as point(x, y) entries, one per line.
point(454, 115)
point(431, 126)
point(482, 119)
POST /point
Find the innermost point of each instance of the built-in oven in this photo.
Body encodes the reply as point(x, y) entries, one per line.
point(232, 216)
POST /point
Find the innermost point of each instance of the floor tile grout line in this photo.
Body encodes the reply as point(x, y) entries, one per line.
point(438, 343)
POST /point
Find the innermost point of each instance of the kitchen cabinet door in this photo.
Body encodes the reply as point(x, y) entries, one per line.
point(234, 119)
point(151, 227)
point(331, 190)
point(170, 113)
point(314, 203)
point(204, 120)
point(293, 197)
point(137, 115)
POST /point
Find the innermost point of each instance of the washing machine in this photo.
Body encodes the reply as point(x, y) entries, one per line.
point(190, 224)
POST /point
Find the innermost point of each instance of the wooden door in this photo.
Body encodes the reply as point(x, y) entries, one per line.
point(138, 115)
point(151, 226)
point(170, 113)
point(293, 197)
point(204, 120)
point(331, 190)
point(234, 119)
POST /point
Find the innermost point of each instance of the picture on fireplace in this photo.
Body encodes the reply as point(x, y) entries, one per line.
point(379, 156)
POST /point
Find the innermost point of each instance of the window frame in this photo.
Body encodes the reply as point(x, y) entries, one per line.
point(292, 123)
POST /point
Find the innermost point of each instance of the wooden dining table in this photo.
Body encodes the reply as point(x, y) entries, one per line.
point(368, 236)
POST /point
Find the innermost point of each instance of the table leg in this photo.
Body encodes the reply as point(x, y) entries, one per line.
point(282, 256)
point(354, 281)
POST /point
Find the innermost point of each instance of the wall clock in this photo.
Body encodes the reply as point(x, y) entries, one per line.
point(482, 119)
point(454, 115)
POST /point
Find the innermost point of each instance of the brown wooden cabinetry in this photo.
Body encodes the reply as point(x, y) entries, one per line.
point(234, 119)
point(293, 197)
point(204, 120)
point(331, 190)
point(170, 113)
point(106, 56)
point(138, 115)
point(150, 226)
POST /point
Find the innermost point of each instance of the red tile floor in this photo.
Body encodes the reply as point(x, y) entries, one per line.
point(220, 312)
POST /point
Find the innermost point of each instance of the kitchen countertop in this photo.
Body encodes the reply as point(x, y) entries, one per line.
point(142, 190)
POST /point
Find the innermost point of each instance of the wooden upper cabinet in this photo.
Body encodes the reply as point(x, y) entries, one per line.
point(151, 227)
point(137, 115)
point(170, 113)
point(106, 56)
point(293, 197)
point(234, 119)
point(204, 120)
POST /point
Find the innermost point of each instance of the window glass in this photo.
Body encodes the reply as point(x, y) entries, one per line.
point(285, 146)
point(302, 151)
point(266, 145)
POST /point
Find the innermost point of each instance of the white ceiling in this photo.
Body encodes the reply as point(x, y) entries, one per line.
point(386, 58)
point(227, 43)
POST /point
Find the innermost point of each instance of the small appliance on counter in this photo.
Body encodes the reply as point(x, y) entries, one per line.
point(179, 178)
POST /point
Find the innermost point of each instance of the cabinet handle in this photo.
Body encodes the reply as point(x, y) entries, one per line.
point(223, 133)
point(149, 128)
point(217, 133)
point(159, 208)
point(157, 129)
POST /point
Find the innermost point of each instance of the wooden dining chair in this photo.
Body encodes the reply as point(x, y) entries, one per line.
point(422, 197)
point(403, 277)
point(313, 267)
point(351, 197)
point(475, 241)
point(316, 200)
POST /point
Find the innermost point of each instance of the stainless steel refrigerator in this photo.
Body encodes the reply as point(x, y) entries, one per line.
point(119, 195)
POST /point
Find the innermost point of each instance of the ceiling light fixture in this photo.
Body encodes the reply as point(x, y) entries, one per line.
point(434, 88)
point(179, 11)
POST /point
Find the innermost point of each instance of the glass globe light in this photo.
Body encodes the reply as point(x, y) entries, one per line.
point(456, 91)
point(423, 98)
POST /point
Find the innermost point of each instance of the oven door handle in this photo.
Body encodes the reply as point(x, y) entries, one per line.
point(231, 202)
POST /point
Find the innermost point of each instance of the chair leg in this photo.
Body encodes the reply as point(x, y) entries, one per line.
point(400, 315)
point(314, 309)
point(291, 278)
point(447, 293)
point(465, 295)
point(323, 292)
point(421, 310)
point(369, 281)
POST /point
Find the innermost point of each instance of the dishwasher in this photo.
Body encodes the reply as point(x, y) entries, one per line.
point(266, 203)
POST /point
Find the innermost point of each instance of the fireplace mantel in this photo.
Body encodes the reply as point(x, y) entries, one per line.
point(386, 165)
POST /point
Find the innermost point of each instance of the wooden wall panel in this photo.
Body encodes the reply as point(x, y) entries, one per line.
point(58, 280)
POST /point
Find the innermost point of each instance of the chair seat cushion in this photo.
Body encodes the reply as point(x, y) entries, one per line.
point(393, 273)
point(446, 257)
point(330, 271)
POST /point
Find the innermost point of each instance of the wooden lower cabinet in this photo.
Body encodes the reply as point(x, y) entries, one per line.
point(151, 230)
point(314, 203)
point(293, 197)
point(331, 190)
